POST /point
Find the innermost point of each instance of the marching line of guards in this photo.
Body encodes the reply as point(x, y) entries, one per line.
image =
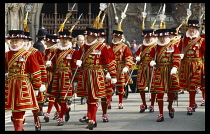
point(166, 62)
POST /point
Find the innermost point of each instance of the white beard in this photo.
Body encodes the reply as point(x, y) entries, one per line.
point(148, 44)
point(195, 36)
point(16, 49)
point(165, 43)
point(93, 42)
point(64, 48)
point(117, 42)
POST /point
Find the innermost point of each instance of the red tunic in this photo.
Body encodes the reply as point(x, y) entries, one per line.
point(192, 63)
point(23, 77)
point(41, 96)
point(48, 54)
point(163, 81)
point(123, 58)
point(63, 63)
point(91, 76)
point(144, 69)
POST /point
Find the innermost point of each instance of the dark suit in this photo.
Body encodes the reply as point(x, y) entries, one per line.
point(38, 45)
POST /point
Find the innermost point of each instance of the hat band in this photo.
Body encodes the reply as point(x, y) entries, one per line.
point(193, 25)
point(115, 34)
point(148, 34)
point(65, 36)
point(51, 40)
point(102, 34)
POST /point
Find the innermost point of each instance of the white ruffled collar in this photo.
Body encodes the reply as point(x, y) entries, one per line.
point(93, 42)
point(165, 43)
point(16, 49)
point(102, 41)
point(149, 44)
point(60, 47)
point(195, 36)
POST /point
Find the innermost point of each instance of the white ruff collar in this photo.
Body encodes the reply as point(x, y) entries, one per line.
point(93, 42)
point(195, 36)
point(149, 44)
point(64, 48)
point(165, 43)
point(117, 42)
point(16, 49)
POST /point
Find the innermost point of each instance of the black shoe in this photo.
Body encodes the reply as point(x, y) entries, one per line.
point(37, 126)
point(67, 116)
point(105, 118)
point(151, 110)
point(189, 110)
point(46, 119)
point(109, 107)
point(171, 112)
point(120, 106)
point(194, 107)
point(91, 125)
point(84, 119)
point(160, 119)
point(143, 108)
point(60, 123)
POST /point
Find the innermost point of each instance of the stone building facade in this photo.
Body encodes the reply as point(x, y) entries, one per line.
point(131, 25)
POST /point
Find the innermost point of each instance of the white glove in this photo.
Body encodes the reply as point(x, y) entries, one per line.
point(113, 80)
point(152, 63)
point(144, 14)
point(75, 84)
point(173, 70)
point(182, 56)
point(36, 92)
point(79, 63)
point(42, 88)
point(125, 69)
point(188, 12)
point(138, 58)
point(108, 76)
point(48, 63)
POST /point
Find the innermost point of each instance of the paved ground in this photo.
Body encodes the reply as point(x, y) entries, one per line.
point(127, 119)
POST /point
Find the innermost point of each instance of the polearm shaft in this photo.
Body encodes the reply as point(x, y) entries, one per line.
point(73, 76)
point(132, 70)
point(152, 74)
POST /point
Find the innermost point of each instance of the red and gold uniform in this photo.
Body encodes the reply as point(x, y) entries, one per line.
point(167, 58)
point(123, 58)
point(147, 53)
point(48, 55)
point(91, 80)
point(192, 65)
point(24, 77)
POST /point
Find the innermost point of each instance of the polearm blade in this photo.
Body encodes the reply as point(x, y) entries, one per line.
point(76, 23)
point(153, 24)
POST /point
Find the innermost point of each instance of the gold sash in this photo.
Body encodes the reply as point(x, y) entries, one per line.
point(61, 56)
point(191, 44)
point(162, 50)
point(147, 49)
point(90, 50)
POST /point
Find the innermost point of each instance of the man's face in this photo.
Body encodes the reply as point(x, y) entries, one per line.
point(7, 41)
point(64, 42)
point(90, 38)
point(192, 31)
point(15, 43)
point(81, 41)
point(116, 38)
point(101, 38)
point(162, 39)
point(149, 39)
point(49, 44)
